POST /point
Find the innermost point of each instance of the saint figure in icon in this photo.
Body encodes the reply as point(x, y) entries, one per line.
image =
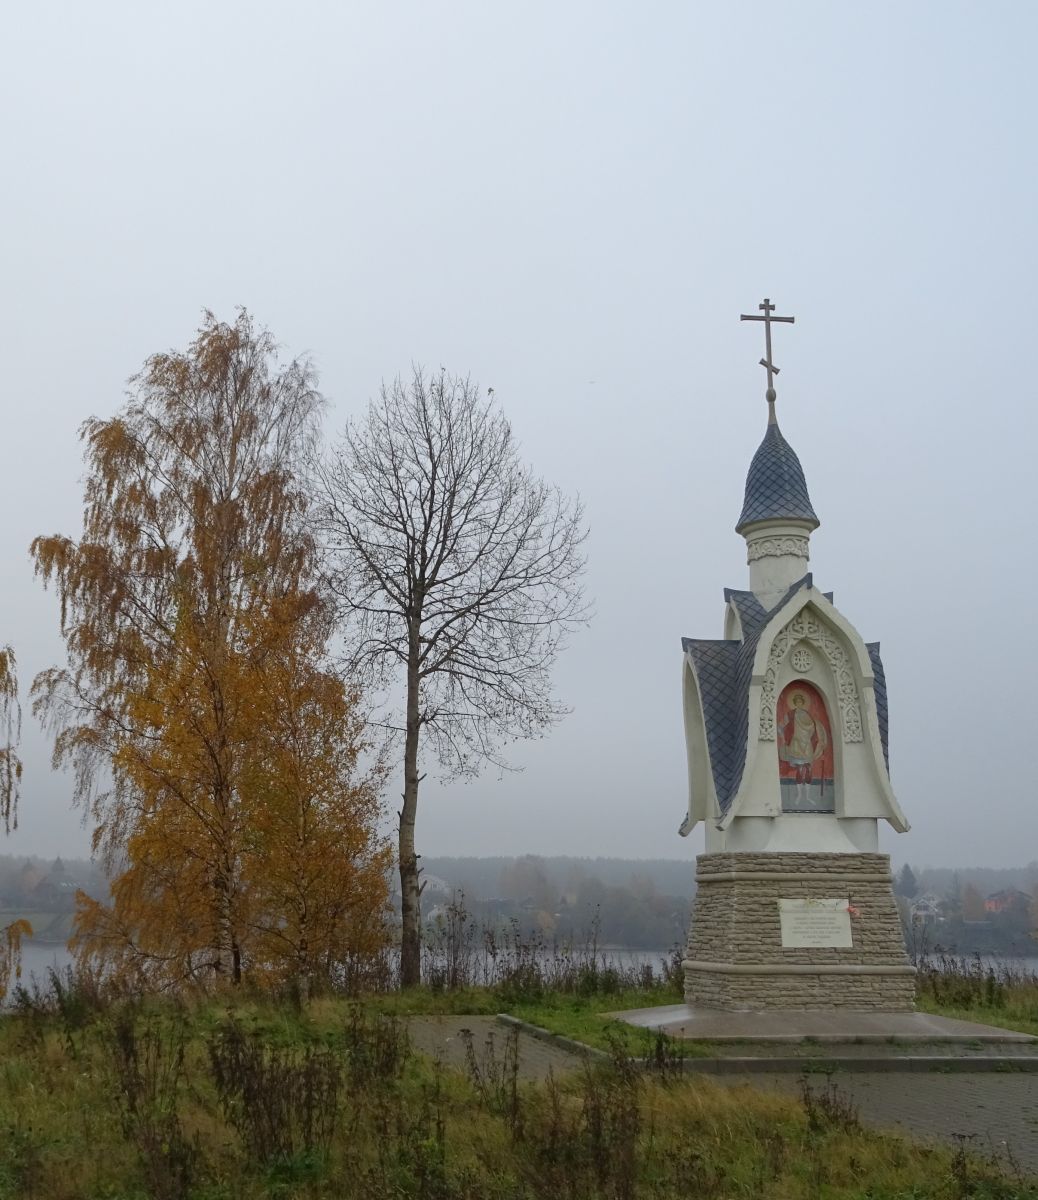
point(804, 750)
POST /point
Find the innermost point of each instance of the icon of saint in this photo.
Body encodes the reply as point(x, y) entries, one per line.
point(802, 742)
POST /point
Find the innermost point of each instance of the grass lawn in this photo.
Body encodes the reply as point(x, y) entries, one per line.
point(235, 1099)
point(584, 1018)
point(968, 990)
point(588, 1019)
point(1021, 1017)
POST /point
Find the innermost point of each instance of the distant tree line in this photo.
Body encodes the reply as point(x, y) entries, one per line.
point(629, 903)
point(971, 910)
point(946, 880)
point(645, 903)
point(31, 883)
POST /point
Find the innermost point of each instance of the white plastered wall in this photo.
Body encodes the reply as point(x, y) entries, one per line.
point(702, 796)
point(777, 553)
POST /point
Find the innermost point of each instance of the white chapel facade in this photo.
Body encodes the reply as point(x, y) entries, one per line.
point(786, 715)
point(786, 730)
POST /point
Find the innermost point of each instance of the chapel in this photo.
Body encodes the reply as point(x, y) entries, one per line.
point(786, 728)
point(786, 715)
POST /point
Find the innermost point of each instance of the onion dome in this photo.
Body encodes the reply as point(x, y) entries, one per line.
point(775, 486)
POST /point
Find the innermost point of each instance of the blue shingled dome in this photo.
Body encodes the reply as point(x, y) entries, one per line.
point(775, 485)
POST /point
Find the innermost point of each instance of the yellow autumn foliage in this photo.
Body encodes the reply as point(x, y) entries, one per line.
point(10, 781)
point(218, 754)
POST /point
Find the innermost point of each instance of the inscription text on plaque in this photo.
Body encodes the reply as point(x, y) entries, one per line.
point(807, 923)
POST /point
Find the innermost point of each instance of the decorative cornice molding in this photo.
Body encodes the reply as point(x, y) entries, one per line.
point(776, 547)
point(727, 968)
point(849, 877)
point(807, 627)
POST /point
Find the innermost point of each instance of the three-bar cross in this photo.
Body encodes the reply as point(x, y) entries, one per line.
point(767, 308)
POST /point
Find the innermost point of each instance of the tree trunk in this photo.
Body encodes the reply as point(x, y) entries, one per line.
point(228, 951)
point(410, 891)
point(303, 965)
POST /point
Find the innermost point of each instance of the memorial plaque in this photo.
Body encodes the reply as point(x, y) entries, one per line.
point(808, 923)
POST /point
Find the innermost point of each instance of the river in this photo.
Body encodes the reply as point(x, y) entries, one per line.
point(40, 957)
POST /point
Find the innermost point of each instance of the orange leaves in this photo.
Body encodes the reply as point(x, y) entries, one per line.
point(196, 678)
point(11, 951)
point(316, 875)
point(8, 674)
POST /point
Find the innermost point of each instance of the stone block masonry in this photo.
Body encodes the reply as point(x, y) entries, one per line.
point(735, 958)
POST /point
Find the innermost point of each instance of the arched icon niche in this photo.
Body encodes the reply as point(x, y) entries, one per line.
point(805, 750)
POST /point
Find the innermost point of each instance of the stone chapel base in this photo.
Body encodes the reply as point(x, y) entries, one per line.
point(735, 958)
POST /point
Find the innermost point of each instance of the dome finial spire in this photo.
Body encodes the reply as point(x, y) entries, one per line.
point(767, 308)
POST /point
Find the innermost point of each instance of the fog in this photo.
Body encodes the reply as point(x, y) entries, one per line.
point(573, 203)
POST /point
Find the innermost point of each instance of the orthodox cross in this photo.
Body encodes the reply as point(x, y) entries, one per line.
point(767, 308)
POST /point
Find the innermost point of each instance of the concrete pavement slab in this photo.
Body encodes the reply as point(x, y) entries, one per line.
point(823, 1025)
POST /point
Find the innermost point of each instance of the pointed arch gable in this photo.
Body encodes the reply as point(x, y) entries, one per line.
point(810, 615)
point(812, 598)
point(808, 625)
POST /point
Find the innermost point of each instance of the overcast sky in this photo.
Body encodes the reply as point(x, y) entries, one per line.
point(573, 202)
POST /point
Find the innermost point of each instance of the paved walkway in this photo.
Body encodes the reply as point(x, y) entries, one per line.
point(442, 1038)
point(1023, 1052)
point(819, 1025)
point(996, 1111)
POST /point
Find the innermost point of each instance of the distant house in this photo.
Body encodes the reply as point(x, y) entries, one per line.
point(926, 909)
point(1010, 901)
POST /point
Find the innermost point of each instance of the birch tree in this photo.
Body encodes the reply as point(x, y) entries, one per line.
point(10, 731)
point(193, 580)
point(10, 782)
point(459, 573)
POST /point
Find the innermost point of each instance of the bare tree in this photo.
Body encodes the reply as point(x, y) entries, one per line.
point(457, 567)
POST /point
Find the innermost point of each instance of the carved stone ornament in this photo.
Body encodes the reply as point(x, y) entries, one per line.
point(807, 627)
point(801, 660)
point(775, 547)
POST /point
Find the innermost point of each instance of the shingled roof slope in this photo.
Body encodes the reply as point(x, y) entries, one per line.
point(723, 672)
point(880, 688)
